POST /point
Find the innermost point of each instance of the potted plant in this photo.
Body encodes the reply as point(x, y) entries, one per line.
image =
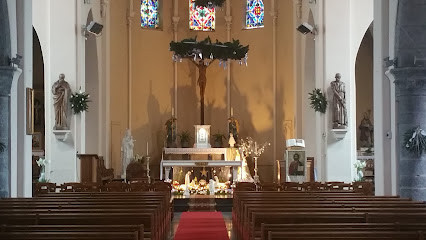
point(218, 140)
point(185, 137)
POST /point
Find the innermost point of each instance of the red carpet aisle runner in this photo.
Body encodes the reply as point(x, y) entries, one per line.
point(201, 225)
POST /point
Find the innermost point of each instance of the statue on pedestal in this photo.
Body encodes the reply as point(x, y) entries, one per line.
point(233, 127)
point(340, 119)
point(127, 156)
point(61, 93)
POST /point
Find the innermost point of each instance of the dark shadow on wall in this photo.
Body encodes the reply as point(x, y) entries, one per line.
point(188, 115)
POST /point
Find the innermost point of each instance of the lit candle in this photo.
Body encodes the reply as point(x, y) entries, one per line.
point(232, 111)
point(147, 151)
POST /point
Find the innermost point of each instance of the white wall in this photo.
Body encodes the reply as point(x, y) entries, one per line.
point(58, 24)
point(341, 27)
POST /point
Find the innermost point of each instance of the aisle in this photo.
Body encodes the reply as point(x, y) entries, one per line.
point(201, 225)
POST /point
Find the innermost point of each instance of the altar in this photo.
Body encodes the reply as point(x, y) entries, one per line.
point(230, 159)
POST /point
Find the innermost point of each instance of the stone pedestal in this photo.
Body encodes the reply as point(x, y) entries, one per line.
point(6, 78)
point(411, 112)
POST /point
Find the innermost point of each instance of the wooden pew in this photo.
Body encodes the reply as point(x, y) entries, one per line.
point(252, 210)
point(265, 228)
point(76, 228)
point(334, 235)
point(152, 209)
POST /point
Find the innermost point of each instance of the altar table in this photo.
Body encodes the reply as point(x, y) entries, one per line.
point(229, 160)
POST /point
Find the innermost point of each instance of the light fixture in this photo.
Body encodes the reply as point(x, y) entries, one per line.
point(93, 28)
point(306, 28)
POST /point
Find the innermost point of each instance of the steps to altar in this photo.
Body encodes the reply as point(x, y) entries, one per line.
point(220, 203)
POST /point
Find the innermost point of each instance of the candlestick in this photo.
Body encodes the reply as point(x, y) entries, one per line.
point(147, 149)
point(173, 112)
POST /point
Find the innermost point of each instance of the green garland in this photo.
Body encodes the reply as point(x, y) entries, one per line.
point(209, 3)
point(415, 140)
point(318, 100)
point(190, 48)
point(79, 102)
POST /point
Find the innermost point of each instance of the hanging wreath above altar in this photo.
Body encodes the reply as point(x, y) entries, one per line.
point(203, 53)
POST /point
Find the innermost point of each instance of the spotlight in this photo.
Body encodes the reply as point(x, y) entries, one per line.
point(92, 28)
point(306, 28)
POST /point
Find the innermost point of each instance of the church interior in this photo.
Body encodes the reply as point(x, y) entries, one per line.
point(212, 119)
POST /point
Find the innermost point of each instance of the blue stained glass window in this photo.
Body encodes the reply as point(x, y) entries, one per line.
point(149, 14)
point(201, 18)
point(255, 14)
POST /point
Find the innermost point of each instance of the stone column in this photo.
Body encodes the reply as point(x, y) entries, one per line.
point(410, 86)
point(411, 109)
point(6, 78)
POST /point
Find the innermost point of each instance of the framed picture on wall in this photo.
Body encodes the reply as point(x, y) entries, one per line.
point(30, 111)
point(37, 142)
point(296, 165)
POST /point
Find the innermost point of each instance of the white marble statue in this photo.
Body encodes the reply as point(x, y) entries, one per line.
point(212, 187)
point(127, 145)
point(231, 140)
point(187, 178)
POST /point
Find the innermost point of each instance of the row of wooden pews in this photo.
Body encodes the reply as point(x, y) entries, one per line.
point(87, 215)
point(326, 214)
point(42, 188)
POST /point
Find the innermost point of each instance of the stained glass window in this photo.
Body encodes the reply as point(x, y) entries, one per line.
point(149, 14)
point(201, 18)
point(255, 14)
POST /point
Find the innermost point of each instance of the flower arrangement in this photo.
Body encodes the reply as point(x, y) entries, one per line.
point(79, 101)
point(250, 148)
point(42, 162)
point(318, 100)
point(415, 140)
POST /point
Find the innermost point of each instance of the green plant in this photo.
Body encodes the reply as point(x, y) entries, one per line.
point(318, 100)
point(415, 140)
point(218, 137)
point(79, 102)
point(185, 137)
point(2, 147)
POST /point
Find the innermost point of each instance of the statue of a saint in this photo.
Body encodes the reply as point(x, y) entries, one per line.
point(188, 178)
point(61, 93)
point(340, 119)
point(233, 127)
point(231, 140)
point(366, 131)
point(127, 145)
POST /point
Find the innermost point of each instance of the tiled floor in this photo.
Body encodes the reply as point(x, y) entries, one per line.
point(227, 216)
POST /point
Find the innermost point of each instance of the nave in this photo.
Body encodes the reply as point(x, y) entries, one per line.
point(310, 210)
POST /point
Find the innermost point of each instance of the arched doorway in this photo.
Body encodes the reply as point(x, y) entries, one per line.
point(364, 166)
point(38, 138)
